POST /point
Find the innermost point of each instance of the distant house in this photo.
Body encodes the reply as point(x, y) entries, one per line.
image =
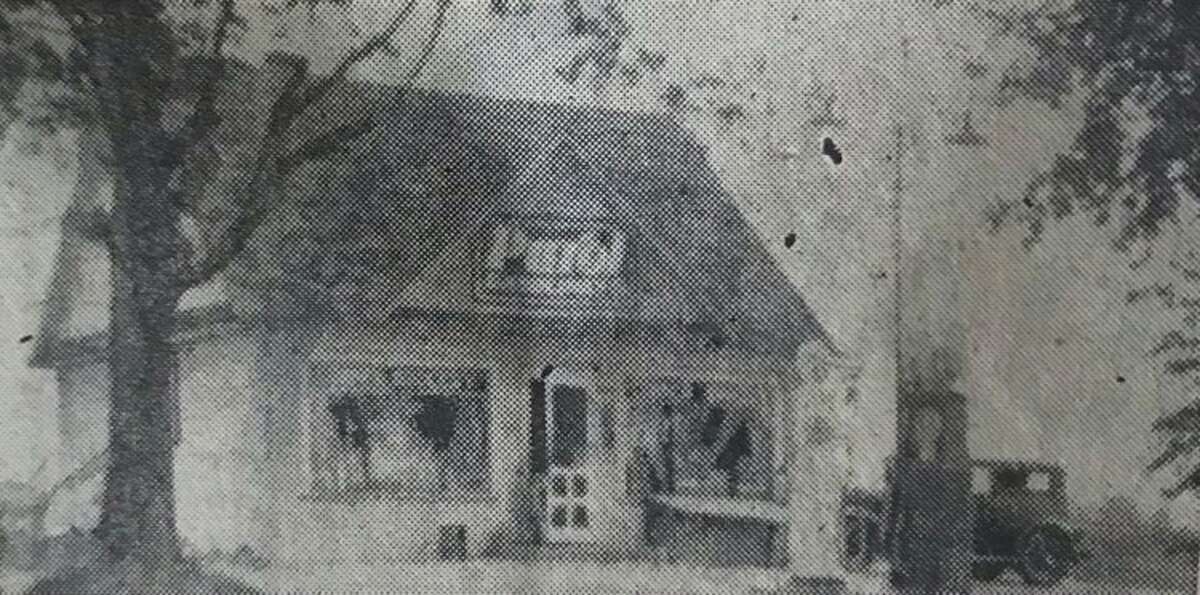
point(506, 283)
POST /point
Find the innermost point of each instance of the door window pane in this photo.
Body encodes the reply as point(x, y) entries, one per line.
point(570, 425)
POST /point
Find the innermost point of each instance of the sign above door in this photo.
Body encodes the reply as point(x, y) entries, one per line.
point(552, 261)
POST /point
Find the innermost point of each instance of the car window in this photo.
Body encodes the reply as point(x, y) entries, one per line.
point(1010, 479)
point(981, 480)
point(1038, 482)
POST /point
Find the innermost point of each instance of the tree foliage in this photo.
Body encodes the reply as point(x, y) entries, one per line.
point(1134, 162)
point(1131, 60)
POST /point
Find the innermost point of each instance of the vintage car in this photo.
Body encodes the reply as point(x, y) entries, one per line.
point(1022, 522)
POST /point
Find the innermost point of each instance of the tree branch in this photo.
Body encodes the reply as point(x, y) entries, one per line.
point(1187, 483)
point(378, 41)
point(286, 107)
point(93, 223)
point(203, 119)
point(85, 472)
point(270, 165)
point(68, 14)
point(325, 144)
point(435, 33)
point(340, 137)
point(230, 243)
point(1174, 450)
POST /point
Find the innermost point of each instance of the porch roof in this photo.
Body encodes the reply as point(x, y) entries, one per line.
point(635, 352)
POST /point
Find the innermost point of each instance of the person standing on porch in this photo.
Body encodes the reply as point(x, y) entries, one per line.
point(666, 448)
point(729, 460)
point(353, 437)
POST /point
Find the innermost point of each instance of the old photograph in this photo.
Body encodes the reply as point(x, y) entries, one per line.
point(599, 296)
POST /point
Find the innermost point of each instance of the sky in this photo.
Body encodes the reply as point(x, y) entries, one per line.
point(1052, 360)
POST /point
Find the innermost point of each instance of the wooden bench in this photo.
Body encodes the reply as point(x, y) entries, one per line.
point(720, 531)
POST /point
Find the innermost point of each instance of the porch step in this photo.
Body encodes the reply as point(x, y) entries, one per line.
point(490, 577)
point(571, 552)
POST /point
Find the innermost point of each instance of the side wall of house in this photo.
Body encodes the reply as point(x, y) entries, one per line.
point(243, 469)
point(217, 489)
point(82, 420)
point(218, 494)
point(82, 411)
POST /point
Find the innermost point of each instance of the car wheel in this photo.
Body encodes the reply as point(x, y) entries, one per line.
point(861, 533)
point(987, 572)
point(1045, 556)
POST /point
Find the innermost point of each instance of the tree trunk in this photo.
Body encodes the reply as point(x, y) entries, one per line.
point(132, 48)
point(138, 509)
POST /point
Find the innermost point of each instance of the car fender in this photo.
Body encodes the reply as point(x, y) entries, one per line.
point(1071, 534)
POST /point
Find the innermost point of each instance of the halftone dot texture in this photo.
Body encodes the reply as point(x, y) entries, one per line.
point(441, 363)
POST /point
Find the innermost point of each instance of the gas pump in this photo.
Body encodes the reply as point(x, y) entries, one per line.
point(930, 516)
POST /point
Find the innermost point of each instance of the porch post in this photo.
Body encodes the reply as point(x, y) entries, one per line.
point(819, 475)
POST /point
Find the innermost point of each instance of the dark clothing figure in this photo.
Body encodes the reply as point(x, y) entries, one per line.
point(932, 518)
point(351, 426)
point(666, 449)
point(729, 460)
point(535, 482)
point(537, 427)
point(666, 456)
point(642, 483)
point(712, 427)
point(436, 421)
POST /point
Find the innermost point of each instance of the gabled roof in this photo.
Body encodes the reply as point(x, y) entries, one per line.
point(695, 261)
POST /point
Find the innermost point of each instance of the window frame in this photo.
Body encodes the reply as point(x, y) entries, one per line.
point(332, 459)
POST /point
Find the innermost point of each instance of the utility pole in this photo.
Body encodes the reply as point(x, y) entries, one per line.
point(929, 516)
point(898, 253)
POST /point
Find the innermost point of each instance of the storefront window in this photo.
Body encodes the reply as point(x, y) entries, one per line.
point(712, 439)
point(406, 432)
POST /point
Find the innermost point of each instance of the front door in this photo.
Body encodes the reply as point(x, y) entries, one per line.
point(569, 477)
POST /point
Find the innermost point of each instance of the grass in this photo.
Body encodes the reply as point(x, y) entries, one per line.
point(183, 578)
point(1149, 566)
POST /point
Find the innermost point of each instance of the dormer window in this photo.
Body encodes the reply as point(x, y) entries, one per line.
point(551, 258)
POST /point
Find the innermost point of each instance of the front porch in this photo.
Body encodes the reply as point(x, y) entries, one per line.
point(680, 531)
